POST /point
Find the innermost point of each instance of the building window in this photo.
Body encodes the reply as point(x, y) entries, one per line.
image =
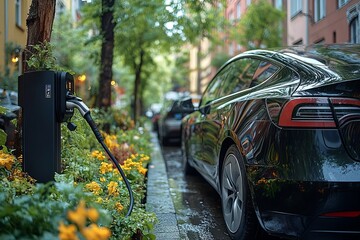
point(238, 10)
point(319, 10)
point(18, 12)
point(353, 14)
point(278, 4)
point(341, 3)
point(295, 7)
point(248, 2)
point(354, 30)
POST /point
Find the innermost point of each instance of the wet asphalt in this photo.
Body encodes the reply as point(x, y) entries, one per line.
point(187, 206)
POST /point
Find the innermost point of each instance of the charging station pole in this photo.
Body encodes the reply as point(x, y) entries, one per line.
point(42, 97)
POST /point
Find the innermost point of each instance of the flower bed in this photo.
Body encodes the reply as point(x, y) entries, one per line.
point(89, 199)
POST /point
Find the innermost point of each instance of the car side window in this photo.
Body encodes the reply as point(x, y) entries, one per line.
point(212, 91)
point(264, 71)
point(239, 76)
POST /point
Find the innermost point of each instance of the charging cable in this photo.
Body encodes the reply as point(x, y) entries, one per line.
point(76, 102)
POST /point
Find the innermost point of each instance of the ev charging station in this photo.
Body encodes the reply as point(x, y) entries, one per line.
point(47, 99)
point(42, 97)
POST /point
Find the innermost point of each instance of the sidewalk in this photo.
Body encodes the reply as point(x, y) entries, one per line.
point(158, 198)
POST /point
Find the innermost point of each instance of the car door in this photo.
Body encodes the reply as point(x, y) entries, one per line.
point(235, 78)
point(196, 137)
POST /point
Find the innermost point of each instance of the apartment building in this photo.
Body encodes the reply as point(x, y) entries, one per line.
point(321, 21)
point(12, 33)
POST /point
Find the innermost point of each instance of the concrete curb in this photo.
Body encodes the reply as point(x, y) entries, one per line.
point(158, 199)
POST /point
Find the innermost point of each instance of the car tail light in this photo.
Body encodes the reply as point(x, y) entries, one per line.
point(349, 214)
point(314, 112)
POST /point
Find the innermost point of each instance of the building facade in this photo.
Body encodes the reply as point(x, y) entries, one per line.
point(201, 56)
point(307, 22)
point(13, 33)
point(323, 22)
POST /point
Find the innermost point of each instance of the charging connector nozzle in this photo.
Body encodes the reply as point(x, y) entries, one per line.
point(76, 102)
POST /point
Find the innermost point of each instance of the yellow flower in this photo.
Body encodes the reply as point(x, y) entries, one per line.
point(99, 155)
point(99, 200)
point(67, 232)
point(105, 167)
point(144, 158)
point(111, 141)
point(79, 215)
point(142, 170)
point(94, 232)
point(119, 207)
point(93, 214)
point(94, 187)
point(102, 179)
point(116, 172)
point(6, 160)
point(112, 188)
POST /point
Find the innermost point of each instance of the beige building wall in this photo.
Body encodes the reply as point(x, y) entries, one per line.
point(297, 22)
point(10, 29)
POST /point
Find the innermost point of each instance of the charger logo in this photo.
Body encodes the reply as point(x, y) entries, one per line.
point(47, 91)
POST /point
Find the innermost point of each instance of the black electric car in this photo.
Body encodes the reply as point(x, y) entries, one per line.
point(169, 123)
point(277, 135)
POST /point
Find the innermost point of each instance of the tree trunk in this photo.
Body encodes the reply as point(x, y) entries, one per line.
point(107, 47)
point(137, 87)
point(39, 23)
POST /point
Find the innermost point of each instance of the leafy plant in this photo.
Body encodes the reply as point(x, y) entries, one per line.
point(88, 198)
point(42, 58)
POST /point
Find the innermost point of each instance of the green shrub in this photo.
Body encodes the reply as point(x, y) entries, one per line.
point(88, 186)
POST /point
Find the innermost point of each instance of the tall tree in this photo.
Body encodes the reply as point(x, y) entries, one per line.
point(260, 27)
point(39, 23)
point(147, 28)
point(107, 53)
point(203, 19)
point(143, 30)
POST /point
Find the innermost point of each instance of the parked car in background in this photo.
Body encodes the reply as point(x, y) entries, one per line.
point(153, 113)
point(8, 113)
point(277, 135)
point(169, 123)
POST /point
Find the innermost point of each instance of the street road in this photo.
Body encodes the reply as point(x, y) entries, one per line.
point(197, 204)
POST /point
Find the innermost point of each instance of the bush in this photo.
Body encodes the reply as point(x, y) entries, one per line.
point(89, 199)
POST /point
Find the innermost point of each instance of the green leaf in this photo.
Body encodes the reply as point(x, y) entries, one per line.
point(3, 137)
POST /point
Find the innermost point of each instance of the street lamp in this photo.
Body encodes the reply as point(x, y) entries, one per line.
point(82, 78)
point(15, 54)
point(14, 59)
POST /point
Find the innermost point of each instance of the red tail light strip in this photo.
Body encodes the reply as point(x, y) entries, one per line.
point(349, 214)
point(286, 118)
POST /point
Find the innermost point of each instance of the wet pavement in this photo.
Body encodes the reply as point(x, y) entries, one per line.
point(197, 204)
point(187, 206)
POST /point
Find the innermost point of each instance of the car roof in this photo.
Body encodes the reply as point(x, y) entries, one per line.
point(342, 61)
point(327, 54)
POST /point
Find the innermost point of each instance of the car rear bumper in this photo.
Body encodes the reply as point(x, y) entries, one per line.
point(310, 210)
